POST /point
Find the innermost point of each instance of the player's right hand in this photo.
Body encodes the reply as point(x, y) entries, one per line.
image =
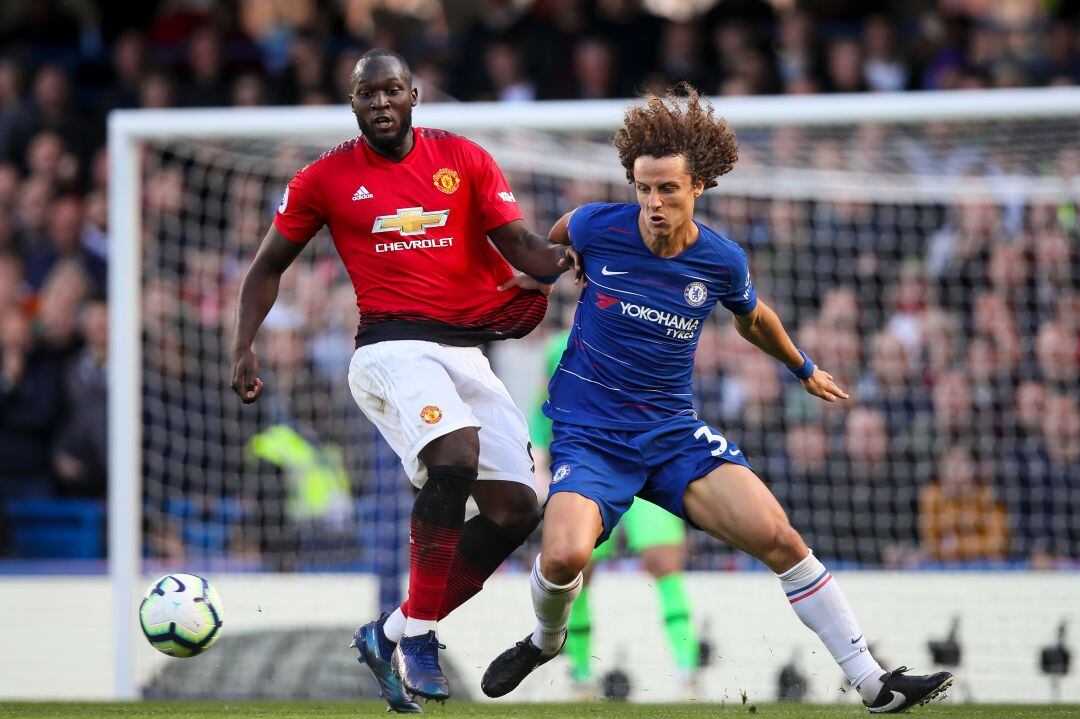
point(572, 260)
point(245, 376)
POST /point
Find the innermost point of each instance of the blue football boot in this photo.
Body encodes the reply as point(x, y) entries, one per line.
point(375, 651)
point(416, 661)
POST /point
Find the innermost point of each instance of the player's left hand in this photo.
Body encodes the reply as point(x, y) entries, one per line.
point(821, 384)
point(526, 282)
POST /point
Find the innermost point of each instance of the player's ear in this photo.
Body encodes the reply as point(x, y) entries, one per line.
point(698, 188)
point(415, 96)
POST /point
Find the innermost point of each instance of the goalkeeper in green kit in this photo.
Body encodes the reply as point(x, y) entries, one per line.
point(654, 534)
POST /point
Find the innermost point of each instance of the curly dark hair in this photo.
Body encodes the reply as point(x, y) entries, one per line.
point(679, 123)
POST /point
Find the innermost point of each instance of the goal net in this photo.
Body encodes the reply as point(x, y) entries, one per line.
point(922, 249)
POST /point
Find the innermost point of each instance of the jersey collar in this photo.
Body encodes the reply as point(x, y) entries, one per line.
point(376, 159)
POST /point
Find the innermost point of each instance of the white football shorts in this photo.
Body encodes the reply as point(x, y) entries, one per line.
point(414, 391)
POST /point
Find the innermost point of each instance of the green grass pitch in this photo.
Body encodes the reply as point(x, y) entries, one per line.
point(351, 710)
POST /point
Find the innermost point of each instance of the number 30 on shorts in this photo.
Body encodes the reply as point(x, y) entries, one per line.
point(705, 431)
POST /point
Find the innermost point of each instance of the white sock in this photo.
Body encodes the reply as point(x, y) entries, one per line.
point(551, 604)
point(817, 600)
point(416, 627)
point(394, 626)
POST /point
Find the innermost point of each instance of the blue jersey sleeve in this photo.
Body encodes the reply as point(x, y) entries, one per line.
point(580, 226)
point(740, 297)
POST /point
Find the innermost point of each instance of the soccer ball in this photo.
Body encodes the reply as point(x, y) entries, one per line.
point(181, 615)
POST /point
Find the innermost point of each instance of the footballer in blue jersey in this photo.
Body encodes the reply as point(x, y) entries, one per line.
point(623, 421)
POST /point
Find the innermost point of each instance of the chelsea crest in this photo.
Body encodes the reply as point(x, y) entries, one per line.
point(695, 294)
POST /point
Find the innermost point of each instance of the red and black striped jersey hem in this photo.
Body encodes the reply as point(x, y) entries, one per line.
point(511, 321)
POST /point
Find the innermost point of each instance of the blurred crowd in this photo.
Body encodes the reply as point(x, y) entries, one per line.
point(957, 331)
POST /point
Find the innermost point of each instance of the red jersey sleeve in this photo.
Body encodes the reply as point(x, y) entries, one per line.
point(492, 192)
point(299, 216)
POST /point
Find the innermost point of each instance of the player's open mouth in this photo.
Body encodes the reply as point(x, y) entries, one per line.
point(656, 219)
point(382, 121)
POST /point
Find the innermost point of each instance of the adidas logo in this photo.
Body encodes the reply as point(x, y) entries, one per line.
point(362, 194)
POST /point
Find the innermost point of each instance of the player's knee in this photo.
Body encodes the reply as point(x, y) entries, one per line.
point(786, 547)
point(518, 514)
point(561, 564)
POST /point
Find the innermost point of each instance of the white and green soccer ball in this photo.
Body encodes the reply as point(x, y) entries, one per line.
point(181, 615)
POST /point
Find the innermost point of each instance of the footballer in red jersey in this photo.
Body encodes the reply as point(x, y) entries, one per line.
point(413, 236)
point(410, 211)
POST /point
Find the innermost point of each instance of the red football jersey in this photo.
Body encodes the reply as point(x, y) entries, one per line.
point(413, 237)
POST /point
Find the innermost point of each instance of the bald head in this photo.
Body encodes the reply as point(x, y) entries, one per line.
point(384, 58)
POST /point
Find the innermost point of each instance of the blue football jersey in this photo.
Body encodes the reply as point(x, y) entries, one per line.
point(630, 355)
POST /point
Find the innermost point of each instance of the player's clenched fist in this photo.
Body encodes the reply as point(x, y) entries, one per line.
point(245, 375)
point(821, 384)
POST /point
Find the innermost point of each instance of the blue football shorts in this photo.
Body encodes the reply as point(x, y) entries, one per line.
point(612, 466)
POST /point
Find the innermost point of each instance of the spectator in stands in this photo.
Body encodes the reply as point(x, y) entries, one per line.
point(30, 407)
point(35, 196)
point(128, 64)
point(1044, 497)
point(157, 90)
point(884, 69)
point(1061, 434)
point(960, 520)
point(506, 72)
point(910, 303)
point(249, 90)
point(57, 320)
point(9, 185)
point(206, 85)
point(954, 413)
point(1056, 271)
point(628, 28)
point(10, 101)
point(806, 485)
point(595, 70)
point(891, 385)
point(64, 242)
point(13, 288)
point(51, 109)
point(798, 58)
point(875, 511)
point(844, 66)
point(80, 451)
point(1056, 353)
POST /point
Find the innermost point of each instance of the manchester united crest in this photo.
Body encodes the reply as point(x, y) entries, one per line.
point(431, 414)
point(447, 180)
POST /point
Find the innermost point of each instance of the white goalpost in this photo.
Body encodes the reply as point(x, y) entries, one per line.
point(189, 484)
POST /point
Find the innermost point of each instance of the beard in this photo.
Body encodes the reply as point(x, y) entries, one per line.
point(385, 142)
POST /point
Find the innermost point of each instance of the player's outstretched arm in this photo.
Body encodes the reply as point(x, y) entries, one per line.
point(763, 328)
point(532, 253)
point(258, 293)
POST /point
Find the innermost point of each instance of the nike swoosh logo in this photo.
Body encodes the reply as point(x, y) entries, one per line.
point(606, 271)
point(897, 700)
point(856, 639)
